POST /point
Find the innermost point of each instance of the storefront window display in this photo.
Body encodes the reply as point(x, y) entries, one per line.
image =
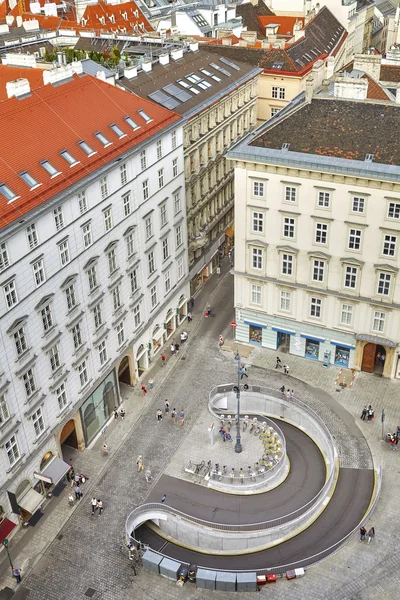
point(342, 356)
point(312, 349)
point(255, 334)
point(98, 408)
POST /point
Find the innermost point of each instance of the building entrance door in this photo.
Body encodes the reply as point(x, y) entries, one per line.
point(368, 360)
point(282, 341)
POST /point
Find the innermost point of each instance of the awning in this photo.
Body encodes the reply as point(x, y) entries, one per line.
point(158, 334)
point(31, 501)
point(348, 346)
point(312, 337)
point(255, 324)
point(283, 330)
point(54, 471)
point(6, 527)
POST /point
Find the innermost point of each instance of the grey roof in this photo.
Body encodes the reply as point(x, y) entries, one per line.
point(386, 7)
point(91, 67)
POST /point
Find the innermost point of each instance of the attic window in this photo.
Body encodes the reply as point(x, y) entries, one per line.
point(86, 148)
point(69, 158)
point(7, 193)
point(52, 171)
point(369, 157)
point(29, 180)
point(277, 65)
point(117, 130)
point(285, 146)
point(131, 123)
point(144, 116)
point(102, 138)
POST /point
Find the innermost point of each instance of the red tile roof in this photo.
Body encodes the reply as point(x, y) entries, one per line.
point(53, 119)
point(134, 17)
point(34, 76)
point(375, 90)
point(286, 24)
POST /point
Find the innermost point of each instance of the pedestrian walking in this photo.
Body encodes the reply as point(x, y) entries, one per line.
point(78, 493)
point(173, 415)
point(192, 302)
point(363, 532)
point(144, 390)
point(370, 413)
point(151, 383)
point(163, 499)
point(166, 406)
point(159, 415)
point(286, 369)
point(292, 395)
point(71, 500)
point(371, 534)
point(243, 372)
point(77, 479)
point(393, 443)
point(17, 574)
point(148, 475)
point(364, 413)
point(163, 359)
point(115, 412)
point(278, 363)
point(189, 317)
point(209, 309)
point(288, 395)
point(122, 413)
point(94, 505)
point(176, 349)
point(221, 340)
point(99, 506)
point(283, 392)
point(172, 348)
point(182, 417)
point(139, 462)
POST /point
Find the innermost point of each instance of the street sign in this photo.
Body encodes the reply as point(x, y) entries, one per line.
point(233, 325)
point(5, 543)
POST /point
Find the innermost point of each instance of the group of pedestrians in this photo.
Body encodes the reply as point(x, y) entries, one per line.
point(287, 394)
point(97, 504)
point(370, 535)
point(174, 414)
point(121, 413)
point(280, 366)
point(367, 413)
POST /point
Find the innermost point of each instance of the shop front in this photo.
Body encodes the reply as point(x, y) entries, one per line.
point(142, 359)
point(26, 501)
point(182, 309)
point(170, 322)
point(255, 332)
point(342, 353)
point(283, 337)
point(312, 346)
point(52, 471)
point(158, 338)
point(99, 406)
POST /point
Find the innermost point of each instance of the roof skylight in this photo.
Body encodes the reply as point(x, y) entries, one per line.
point(102, 138)
point(220, 69)
point(86, 148)
point(52, 171)
point(7, 193)
point(145, 116)
point(69, 158)
point(229, 63)
point(131, 122)
point(117, 130)
point(29, 180)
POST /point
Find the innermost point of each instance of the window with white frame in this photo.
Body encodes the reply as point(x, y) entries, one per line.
point(256, 294)
point(167, 281)
point(12, 450)
point(71, 296)
point(82, 199)
point(83, 374)
point(285, 301)
point(346, 314)
point(274, 111)
point(4, 260)
point(58, 218)
point(104, 187)
point(33, 238)
point(287, 264)
point(358, 205)
point(38, 272)
point(180, 268)
point(38, 422)
point(145, 189)
point(98, 316)
point(389, 245)
point(120, 329)
point(4, 412)
point(47, 318)
point(160, 178)
point(130, 244)
point(318, 270)
point(21, 344)
point(173, 140)
point(315, 307)
point(350, 277)
point(10, 293)
point(77, 336)
point(92, 278)
point(257, 222)
point(148, 224)
point(324, 199)
point(153, 296)
point(107, 214)
point(123, 174)
point(165, 248)
point(354, 239)
point(163, 214)
point(116, 295)
point(136, 315)
point(61, 395)
point(64, 252)
point(177, 203)
point(143, 160)
point(87, 235)
point(126, 199)
point(159, 149)
point(257, 258)
point(278, 92)
point(289, 227)
point(175, 167)
point(133, 276)
point(54, 356)
point(178, 236)
point(394, 210)
point(378, 322)
point(321, 233)
point(112, 261)
point(29, 383)
point(384, 281)
point(258, 189)
point(290, 194)
point(102, 348)
point(151, 262)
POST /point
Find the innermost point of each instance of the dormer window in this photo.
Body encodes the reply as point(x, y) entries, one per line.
point(86, 148)
point(144, 116)
point(117, 130)
point(52, 171)
point(7, 193)
point(69, 158)
point(102, 138)
point(285, 146)
point(369, 157)
point(131, 122)
point(29, 180)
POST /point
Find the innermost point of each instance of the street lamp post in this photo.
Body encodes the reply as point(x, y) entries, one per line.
point(238, 445)
point(5, 544)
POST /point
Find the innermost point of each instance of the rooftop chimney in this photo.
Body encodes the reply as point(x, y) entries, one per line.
point(18, 88)
point(310, 84)
point(147, 65)
point(164, 59)
point(19, 21)
point(330, 67)
point(19, 60)
point(194, 46)
point(9, 19)
point(57, 74)
point(350, 87)
point(369, 63)
point(130, 72)
point(177, 54)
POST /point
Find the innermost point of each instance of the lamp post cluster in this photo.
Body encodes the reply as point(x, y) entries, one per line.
point(240, 371)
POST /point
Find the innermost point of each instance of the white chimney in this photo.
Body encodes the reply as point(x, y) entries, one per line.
point(130, 72)
point(4, 28)
point(32, 25)
point(369, 63)
point(57, 74)
point(330, 67)
point(147, 65)
point(35, 8)
point(350, 87)
point(177, 54)
point(50, 9)
point(19, 60)
point(76, 67)
point(19, 21)
point(18, 88)
point(164, 59)
point(9, 19)
point(194, 46)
